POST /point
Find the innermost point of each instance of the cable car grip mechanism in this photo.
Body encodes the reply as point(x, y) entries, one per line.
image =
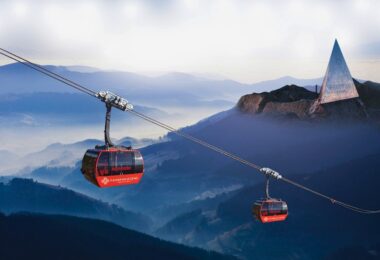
point(111, 100)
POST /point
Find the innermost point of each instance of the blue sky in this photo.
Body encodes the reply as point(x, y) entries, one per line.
point(247, 41)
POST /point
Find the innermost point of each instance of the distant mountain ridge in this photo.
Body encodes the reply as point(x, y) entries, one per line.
point(30, 101)
point(16, 78)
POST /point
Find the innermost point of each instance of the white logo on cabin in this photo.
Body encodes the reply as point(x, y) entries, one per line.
point(105, 180)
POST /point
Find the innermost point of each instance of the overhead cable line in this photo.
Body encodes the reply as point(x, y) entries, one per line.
point(125, 106)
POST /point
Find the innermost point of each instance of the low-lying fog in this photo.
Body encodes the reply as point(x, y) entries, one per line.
point(24, 134)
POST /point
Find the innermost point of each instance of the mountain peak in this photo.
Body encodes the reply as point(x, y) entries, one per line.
point(288, 95)
point(296, 101)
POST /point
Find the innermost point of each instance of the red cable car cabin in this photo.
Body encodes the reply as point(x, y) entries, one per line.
point(270, 210)
point(115, 166)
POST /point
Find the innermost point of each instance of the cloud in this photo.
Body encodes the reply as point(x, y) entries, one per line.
point(243, 40)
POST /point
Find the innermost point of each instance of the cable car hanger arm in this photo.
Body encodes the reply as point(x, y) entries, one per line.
point(113, 100)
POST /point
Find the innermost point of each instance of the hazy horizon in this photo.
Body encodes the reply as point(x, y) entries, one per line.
point(156, 74)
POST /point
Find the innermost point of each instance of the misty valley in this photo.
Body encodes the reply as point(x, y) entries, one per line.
point(192, 196)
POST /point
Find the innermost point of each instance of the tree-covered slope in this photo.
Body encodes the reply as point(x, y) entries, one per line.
point(27, 236)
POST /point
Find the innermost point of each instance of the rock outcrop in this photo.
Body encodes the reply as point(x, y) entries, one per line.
point(289, 98)
point(298, 102)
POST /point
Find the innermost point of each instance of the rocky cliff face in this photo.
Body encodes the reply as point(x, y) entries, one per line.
point(297, 102)
point(267, 102)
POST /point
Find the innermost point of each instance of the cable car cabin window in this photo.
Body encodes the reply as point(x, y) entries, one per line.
point(139, 163)
point(264, 209)
point(103, 164)
point(274, 208)
point(89, 161)
point(122, 163)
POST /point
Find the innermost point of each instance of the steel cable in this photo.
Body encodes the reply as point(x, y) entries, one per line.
point(92, 93)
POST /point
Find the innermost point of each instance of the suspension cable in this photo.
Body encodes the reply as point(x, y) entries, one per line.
point(266, 171)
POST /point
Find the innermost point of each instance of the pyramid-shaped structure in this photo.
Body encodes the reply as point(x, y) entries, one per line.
point(337, 84)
